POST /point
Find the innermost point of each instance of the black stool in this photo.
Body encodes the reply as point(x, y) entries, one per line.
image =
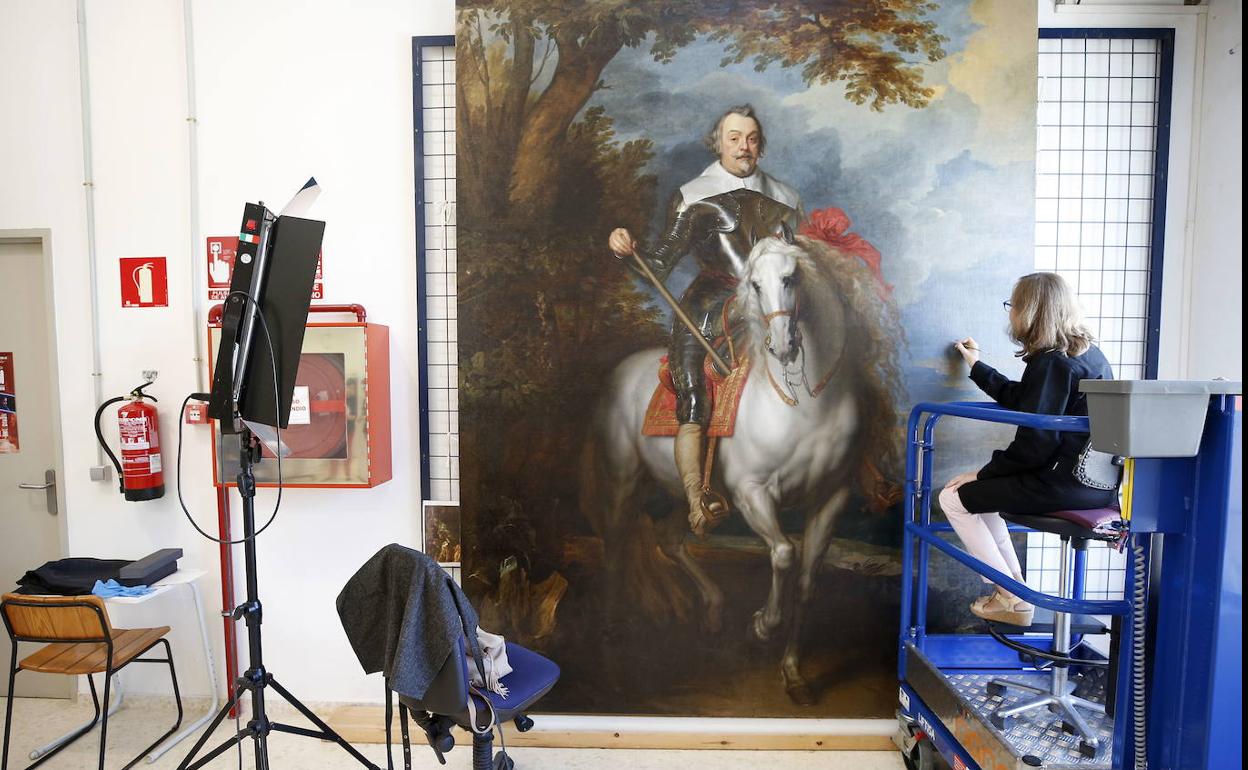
point(1075, 528)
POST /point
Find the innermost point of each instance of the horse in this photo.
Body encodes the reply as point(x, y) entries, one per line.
point(816, 418)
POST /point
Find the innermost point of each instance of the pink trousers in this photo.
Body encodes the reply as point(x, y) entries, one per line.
point(984, 535)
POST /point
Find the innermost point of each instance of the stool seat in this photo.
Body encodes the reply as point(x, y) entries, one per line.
point(1068, 523)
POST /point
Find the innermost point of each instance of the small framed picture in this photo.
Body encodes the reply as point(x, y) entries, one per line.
point(441, 531)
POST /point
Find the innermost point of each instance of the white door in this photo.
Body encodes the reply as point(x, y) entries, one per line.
point(30, 526)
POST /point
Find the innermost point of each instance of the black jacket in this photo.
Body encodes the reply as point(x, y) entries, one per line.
point(74, 576)
point(1035, 473)
point(1050, 385)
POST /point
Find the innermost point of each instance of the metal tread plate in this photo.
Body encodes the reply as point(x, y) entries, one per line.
point(1036, 733)
point(959, 699)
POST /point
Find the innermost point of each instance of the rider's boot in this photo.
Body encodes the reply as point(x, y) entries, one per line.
point(704, 510)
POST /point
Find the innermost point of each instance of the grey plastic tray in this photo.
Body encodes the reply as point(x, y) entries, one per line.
point(1151, 418)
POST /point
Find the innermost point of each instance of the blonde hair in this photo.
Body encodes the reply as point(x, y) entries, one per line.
point(1045, 317)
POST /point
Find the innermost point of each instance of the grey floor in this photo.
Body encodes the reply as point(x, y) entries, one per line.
point(138, 722)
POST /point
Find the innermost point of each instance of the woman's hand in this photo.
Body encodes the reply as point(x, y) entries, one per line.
point(968, 349)
point(962, 478)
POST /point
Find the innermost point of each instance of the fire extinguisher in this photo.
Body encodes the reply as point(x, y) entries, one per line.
point(138, 423)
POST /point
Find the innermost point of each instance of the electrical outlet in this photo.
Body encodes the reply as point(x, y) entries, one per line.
point(196, 414)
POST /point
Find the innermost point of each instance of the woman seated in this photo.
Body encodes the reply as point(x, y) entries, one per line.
point(1035, 473)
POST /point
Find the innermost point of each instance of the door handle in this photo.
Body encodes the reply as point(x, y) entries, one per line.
point(48, 485)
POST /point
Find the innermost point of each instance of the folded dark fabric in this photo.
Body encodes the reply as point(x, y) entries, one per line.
point(70, 577)
point(403, 616)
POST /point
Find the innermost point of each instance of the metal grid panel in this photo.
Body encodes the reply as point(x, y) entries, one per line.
point(1096, 159)
point(1098, 119)
point(435, 145)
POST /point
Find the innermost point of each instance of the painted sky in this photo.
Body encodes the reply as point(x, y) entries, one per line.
point(945, 192)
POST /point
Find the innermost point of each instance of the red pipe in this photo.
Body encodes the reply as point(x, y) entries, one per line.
point(361, 315)
point(227, 593)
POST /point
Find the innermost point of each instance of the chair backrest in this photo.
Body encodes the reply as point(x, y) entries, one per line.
point(448, 692)
point(30, 618)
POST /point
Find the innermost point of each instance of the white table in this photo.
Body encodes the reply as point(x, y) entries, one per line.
point(183, 577)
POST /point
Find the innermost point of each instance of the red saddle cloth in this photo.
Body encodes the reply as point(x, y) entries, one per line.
point(723, 391)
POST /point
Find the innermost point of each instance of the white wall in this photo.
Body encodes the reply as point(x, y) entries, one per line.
point(1216, 300)
point(285, 92)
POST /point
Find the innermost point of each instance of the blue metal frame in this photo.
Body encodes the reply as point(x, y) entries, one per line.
point(1161, 173)
point(975, 652)
point(1196, 700)
point(422, 328)
point(1191, 509)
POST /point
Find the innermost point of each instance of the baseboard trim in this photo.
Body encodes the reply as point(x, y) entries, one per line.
point(365, 724)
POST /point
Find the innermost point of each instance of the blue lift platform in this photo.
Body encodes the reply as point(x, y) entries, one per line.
point(1178, 706)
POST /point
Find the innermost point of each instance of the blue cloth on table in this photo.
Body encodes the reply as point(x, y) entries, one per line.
point(110, 588)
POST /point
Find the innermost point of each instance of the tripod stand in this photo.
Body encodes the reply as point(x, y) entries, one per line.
point(257, 679)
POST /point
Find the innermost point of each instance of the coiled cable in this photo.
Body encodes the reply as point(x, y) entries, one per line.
point(1139, 712)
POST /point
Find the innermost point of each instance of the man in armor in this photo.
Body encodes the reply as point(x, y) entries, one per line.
point(717, 218)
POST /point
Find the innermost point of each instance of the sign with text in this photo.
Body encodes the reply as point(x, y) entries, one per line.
point(8, 406)
point(144, 282)
point(300, 406)
point(222, 250)
point(221, 253)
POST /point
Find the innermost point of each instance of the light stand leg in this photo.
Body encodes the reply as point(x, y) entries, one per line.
point(256, 679)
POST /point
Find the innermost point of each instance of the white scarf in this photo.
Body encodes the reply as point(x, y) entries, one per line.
point(494, 659)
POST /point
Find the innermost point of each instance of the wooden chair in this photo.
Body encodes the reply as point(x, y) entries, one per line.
point(80, 640)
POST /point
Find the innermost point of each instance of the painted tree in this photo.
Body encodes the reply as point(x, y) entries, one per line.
point(526, 69)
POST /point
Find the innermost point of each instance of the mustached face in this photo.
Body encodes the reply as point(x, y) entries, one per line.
point(739, 144)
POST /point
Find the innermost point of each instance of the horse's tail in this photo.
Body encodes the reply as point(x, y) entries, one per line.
point(638, 576)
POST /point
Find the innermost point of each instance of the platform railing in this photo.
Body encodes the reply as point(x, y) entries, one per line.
point(918, 526)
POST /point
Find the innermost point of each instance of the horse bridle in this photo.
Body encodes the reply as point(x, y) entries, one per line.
point(797, 341)
point(769, 317)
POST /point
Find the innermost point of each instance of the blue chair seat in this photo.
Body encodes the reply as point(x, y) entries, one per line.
point(532, 677)
point(388, 606)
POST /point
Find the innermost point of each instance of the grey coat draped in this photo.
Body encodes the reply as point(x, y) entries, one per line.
point(403, 616)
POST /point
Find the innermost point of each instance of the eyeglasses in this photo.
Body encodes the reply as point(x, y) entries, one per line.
point(1007, 304)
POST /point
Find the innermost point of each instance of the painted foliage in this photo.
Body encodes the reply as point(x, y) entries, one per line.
point(907, 130)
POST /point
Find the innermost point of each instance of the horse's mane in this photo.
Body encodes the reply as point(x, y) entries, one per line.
point(867, 351)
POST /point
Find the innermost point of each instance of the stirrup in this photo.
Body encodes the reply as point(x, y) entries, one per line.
point(712, 510)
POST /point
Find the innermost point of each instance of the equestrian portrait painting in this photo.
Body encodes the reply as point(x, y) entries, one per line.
point(708, 255)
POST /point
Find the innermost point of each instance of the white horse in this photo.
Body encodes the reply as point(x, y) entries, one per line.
point(798, 442)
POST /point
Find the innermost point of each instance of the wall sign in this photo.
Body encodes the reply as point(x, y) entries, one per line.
point(221, 252)
point(8, 407)
point(144, 282)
